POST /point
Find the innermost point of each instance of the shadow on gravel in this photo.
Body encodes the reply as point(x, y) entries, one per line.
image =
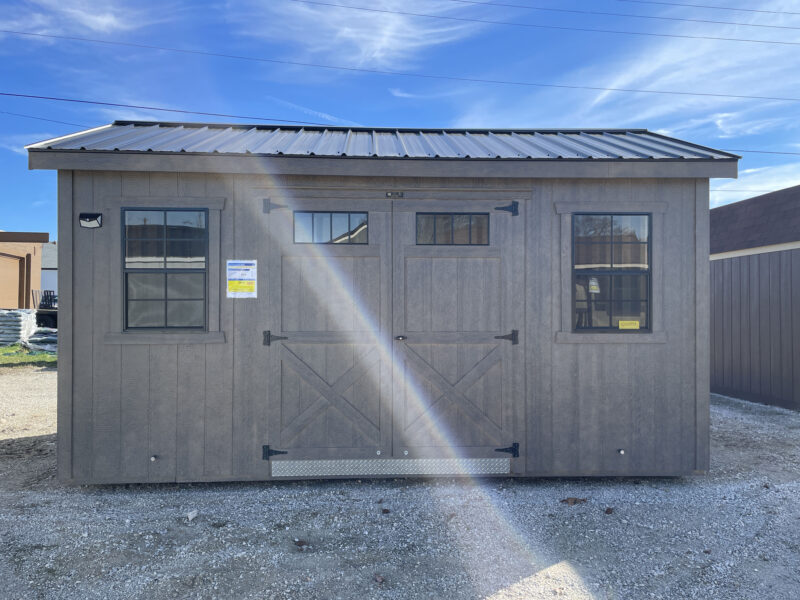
point(27, 461)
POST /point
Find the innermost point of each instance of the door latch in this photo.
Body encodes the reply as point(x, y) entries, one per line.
point(269, 338)
point(512, 337)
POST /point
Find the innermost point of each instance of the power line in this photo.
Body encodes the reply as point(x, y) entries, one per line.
point(615, 14)
point(750, 10)
point(537, 26)
point(5, 112)
point(398, 73)
point(157, 108)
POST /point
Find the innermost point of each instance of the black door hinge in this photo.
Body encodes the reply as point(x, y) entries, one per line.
point(269, 338)
point(512, 337)
point(513, 450)
point(266, 452)
point(513, 208)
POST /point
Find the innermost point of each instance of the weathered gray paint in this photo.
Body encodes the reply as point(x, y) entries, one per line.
point(204, 405)
point(755, 328)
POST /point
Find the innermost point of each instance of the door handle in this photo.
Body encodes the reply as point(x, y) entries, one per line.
point(400, 338)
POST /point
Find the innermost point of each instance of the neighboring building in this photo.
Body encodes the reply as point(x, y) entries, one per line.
point(256, 302)
point(50, 267)
point(20, 267)
point(755, 295)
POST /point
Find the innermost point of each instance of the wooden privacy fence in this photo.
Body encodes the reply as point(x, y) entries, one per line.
point(755, 327)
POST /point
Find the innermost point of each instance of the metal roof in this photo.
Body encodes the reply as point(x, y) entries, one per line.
point(392, 143)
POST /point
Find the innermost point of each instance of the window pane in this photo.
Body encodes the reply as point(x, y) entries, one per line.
point(599, 314)
point(592, 228)
point(592, 256)
point(592, 288)
point(358, 228)
point(461, 229)
point(186, 285)
point(631, 228)
point(425, 229)
point(144, 286)
point(144, 254)
point(144, 224)
point(480, 229)
point(322, 228)
point(186, 254)
point(341, 228)
point(630, 256)
point(185, 313)
point(630, 287)
point(302, 228)
point(444, 232)
point(145, 313)
point(186, 224)
point(630, 311)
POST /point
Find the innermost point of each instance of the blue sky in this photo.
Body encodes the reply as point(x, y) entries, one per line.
point(303, 32)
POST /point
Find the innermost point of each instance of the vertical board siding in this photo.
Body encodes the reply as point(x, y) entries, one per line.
point(757, 340)
point(66, 218)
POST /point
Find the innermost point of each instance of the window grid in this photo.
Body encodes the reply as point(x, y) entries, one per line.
point(435, 220)
point(357, 232)
point(613, 274)
point(164, 238)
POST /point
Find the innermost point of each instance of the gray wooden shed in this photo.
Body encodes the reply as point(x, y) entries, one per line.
point(755, 292)
point(257, 302)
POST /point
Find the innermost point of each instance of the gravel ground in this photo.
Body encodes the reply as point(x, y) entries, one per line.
point(732, 534)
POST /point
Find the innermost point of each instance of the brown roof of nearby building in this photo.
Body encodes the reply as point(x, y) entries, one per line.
point(773, 218)
point(24, 236)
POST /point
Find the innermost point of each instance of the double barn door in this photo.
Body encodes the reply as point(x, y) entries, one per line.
point(384, 345)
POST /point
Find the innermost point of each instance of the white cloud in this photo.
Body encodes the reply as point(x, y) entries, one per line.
point(16, 143)
point(755, 182)
point(398, 93)
point(314, 113)
point(352, 37)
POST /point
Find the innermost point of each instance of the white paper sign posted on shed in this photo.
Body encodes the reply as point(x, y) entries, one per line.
point(242, 276)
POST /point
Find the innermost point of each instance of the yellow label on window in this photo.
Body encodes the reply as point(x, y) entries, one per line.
point(629, 324)
point(241, 286)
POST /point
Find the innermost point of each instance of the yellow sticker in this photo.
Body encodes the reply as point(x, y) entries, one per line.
point(629, 324)
point(241, 286)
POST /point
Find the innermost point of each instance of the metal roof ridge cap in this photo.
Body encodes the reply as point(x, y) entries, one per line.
point(536, 143)
point(60, 138)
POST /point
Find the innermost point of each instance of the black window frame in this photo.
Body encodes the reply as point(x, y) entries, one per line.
point(610, 272)
point(330, 212)
point(164, 270)
point(453, 215)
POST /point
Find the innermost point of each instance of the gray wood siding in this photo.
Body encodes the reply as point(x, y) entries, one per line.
point(755, 329)
point(201, 407)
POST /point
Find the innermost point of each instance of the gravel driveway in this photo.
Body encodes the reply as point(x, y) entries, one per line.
point(732, 534)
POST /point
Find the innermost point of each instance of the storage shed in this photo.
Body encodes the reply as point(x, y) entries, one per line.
point(257, 302)
point(755, 292)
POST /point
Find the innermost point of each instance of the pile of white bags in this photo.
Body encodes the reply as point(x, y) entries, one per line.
point(43, 339)
point(16, 325)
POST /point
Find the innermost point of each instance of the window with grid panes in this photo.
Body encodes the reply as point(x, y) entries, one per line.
point(611, 272)
point(165, 268)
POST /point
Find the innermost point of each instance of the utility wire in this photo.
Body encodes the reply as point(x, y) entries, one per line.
point(398, 73)
point(5, 112)
point(157, 108)
point(615, 14)
point(750, 10)
point(537, 26)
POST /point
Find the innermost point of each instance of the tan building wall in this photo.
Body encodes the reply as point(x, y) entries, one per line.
point(20, 268)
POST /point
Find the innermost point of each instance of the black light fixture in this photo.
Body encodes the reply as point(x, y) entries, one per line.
point(91, 220)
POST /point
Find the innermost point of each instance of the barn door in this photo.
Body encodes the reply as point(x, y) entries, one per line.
point(456, 319)
point(330, 281)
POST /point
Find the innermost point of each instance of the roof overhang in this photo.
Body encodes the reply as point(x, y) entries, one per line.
point(29, 237)
point(83, 160)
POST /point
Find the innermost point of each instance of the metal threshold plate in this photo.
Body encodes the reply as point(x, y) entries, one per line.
point(391, 466)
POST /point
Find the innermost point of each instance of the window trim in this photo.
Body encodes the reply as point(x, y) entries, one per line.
point(610, 273)
point(452, 215)
point(124, 271)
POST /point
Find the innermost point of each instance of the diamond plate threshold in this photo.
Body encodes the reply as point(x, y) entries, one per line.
point(391, 466)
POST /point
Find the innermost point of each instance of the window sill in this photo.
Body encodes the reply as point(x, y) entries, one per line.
point(569, 337)
point(169, 337)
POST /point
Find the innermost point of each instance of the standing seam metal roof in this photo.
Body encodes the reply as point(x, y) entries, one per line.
point(279, 140)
